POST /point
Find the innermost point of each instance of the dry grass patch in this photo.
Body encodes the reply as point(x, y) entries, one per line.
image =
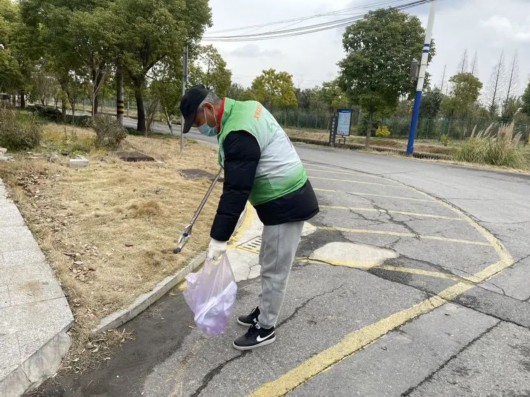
point(109, 230)
point(431, 146)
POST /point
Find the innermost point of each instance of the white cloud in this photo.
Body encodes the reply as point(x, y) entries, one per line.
point(510, 30)
point(480, 26)
point(253, 50)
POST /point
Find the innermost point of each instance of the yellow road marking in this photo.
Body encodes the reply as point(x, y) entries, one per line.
point(338, 207)
point(332, 171)
point(338, 262)
point(245, 225)
point(361, 338)
point(369, 266)
point(400, 234)
point(373, 195)
point(359, 182)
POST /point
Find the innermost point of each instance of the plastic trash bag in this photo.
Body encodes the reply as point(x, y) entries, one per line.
point(211, 293)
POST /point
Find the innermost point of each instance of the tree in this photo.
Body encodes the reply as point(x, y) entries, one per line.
point(464, 94)
point(495, 85)
point(209, 69)
point(525, 99)
point(153, 32)
point(44, 84)
point(462, 66)
point(431, 103)
point(509, 109)
point(275, 89)
point(10, 72)
point(379, 51)
point(75, 37)
point(304, 97)
point(462, 102)
point(512, 82)
point(333, 96)
point(165, 90)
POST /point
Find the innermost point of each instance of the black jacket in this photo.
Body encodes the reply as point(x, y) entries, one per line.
point(242, 155)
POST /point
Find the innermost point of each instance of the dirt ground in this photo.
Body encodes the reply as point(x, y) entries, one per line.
point(108, 230)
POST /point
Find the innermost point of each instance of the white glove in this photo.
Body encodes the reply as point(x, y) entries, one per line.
point(216, 249)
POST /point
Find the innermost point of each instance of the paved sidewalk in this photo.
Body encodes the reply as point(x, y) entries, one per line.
point(34, 313)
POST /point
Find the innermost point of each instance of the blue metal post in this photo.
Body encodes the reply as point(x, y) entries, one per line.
point(421, 81)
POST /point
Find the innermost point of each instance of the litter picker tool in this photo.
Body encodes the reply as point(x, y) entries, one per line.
point(186, 234)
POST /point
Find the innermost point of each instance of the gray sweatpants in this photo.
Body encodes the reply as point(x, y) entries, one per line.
point(278, 248)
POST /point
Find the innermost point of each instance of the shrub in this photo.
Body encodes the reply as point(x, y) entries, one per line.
point(486, 147)
point(109, 132)
point(55, 115)
point(18, 131)
point(444, 139)
point(382, 132)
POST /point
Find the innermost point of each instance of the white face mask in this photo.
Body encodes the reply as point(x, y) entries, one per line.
point(205, 129)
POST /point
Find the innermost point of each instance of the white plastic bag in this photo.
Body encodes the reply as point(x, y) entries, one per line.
point(210, 294)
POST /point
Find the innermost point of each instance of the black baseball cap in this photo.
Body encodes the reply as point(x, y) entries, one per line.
point(190, 103)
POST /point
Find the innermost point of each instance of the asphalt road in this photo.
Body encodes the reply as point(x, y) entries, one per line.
point(447, 315)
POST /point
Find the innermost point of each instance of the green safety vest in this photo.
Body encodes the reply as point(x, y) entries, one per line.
point(280, 171)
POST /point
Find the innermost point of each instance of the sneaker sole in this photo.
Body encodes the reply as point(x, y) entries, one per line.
point(264, 343)
point(243, 323)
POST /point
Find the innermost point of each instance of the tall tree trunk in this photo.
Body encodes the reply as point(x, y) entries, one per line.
point(95, 104)
point(22, 99)
point(141, 127)
point(98, 75)
point(369, 131)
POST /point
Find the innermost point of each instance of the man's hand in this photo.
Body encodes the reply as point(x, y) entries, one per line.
point(216, 249)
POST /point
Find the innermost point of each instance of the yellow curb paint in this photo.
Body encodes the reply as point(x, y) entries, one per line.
point(399, 234)
point(373, 195)
point(415, 214)
point(245, 225)
point(359, 339)
point(311, 177)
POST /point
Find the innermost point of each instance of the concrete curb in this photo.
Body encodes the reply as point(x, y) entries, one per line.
point(141, 303)
point(43, 364)
point(145, 300)
point(355, 146)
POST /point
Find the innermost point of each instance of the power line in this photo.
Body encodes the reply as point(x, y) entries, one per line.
point(304, 29)
point(302, 19)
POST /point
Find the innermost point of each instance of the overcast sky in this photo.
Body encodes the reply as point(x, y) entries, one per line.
point(484, 27)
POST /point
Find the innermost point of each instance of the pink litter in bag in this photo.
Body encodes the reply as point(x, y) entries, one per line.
point(211, 293)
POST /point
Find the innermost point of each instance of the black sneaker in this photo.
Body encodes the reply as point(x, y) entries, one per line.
point(249, 319)
point(255, 337)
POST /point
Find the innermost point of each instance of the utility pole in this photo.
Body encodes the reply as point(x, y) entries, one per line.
point(184, 83)
point(421, 80)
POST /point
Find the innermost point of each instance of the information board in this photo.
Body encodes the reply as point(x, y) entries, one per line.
point(344, 117)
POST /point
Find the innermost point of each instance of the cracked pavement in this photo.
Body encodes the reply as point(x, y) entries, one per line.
point(478, 344)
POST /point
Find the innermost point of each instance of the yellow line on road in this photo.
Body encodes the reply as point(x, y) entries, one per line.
point(361, 338)
point(338, 262)
point(338, 207)
point(311, 177)
point(373, 195)
point(357, 173)
point(400, 234)
point(375, 265)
